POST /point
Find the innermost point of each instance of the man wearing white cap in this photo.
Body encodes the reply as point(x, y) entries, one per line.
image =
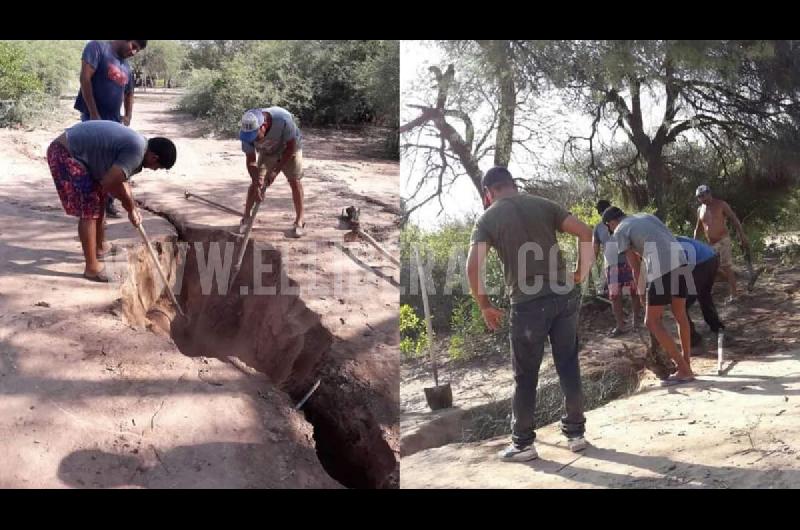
point(272, 143)
point(711, 218)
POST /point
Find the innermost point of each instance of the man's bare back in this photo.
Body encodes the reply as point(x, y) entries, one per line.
point(712, 216)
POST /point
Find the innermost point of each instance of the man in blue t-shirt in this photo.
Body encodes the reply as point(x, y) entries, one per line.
point(107, 84)
point(704, 262)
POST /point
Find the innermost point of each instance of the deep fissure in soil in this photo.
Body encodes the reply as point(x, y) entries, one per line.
point(275, 334)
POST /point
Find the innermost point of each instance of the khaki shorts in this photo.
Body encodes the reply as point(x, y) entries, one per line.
point(723, 248)
point(293, 168)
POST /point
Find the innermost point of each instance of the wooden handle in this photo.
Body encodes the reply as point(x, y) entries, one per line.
point(428, 326)
point(240, 255)
point(157, 263)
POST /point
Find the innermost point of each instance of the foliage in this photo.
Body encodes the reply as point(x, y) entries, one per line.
point(413, 334)
point(161, 59)
point(33, 75)
point(319, 82)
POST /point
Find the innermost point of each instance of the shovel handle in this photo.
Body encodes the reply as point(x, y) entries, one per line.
point(240, 255)
point(157, 263)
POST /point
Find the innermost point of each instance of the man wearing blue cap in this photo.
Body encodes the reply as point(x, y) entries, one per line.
point(545, 301)
point(272, 143)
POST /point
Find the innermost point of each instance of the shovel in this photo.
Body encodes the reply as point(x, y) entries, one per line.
point(237, 265)
point(438, 397)
point(749, 264)
point(157, 263)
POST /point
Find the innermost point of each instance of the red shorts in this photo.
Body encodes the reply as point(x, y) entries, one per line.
point(81, 195)
point(620, 280)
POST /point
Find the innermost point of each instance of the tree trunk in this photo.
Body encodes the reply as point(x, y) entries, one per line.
point(498, 55)
point(656, 177)
point(461, 150)
point(508, 102)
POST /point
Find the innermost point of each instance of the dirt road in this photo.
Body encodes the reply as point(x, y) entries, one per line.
point(90, 399)
point(736, 430)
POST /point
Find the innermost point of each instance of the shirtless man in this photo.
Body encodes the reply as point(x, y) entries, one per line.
point(711, 217)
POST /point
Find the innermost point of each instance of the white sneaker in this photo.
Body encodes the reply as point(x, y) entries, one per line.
point(577, 444)
point(512, 453)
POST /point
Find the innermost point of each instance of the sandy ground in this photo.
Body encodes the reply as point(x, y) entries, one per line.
point(736, 430)
point(88, 401)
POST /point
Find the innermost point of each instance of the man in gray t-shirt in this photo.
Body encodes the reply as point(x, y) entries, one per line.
point(618, 274)
point(643, 237)
point(272, 143)
point(96, 158)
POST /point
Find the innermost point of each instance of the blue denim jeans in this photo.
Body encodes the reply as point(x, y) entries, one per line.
point(554, 317)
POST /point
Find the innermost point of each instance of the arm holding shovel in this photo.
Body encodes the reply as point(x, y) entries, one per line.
point(114, 183)
point(748, 259)
point(729, 213)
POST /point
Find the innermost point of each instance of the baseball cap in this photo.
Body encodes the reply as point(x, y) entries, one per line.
point(701, 190)
point(495, 176)
point(251, 121)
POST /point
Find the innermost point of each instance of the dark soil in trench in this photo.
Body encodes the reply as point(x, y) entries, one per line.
point(271, 331)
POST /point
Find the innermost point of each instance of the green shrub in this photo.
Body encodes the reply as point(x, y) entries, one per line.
point(16, 79)
point(469, 330)
point(413, 334)
point(319, 82)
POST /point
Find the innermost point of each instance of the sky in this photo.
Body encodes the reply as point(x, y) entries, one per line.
point(462, 198)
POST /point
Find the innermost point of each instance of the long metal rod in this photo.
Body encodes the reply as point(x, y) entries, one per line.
point(308, 395)
point(188, 194)
point(375, 244)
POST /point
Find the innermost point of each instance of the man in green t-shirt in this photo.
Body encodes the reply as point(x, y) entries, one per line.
point(544, 300)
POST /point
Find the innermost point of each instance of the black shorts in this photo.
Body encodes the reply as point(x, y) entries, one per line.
point(662, 290)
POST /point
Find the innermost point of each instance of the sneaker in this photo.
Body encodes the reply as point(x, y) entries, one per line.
point(512, 453)
point(299, 230)
point(577, 444)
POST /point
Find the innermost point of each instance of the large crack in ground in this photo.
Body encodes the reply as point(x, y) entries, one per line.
point(274, 334)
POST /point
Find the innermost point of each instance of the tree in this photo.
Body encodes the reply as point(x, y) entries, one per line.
point(213, 54)
point(732, 95)
point(483, 104)
point(162, 59)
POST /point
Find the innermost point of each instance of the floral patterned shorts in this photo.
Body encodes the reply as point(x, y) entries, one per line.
point(80, 194)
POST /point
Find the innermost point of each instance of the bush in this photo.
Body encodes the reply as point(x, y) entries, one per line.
point(413, 334)
point(33, 74)
point(16, 79)
point(319, 82)
point(221, 96)
point(468, 328)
